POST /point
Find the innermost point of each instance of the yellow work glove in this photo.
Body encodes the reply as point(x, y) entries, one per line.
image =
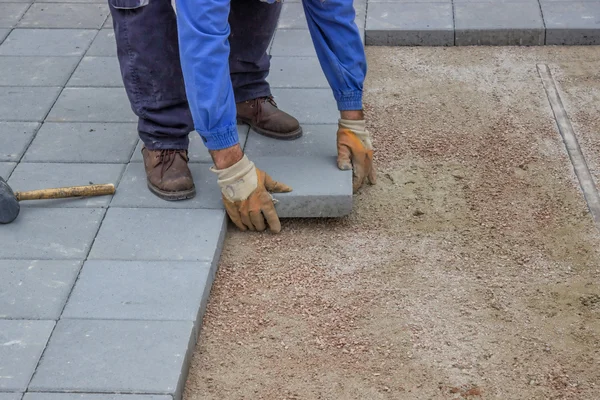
point(355, 151)
point(246, 195)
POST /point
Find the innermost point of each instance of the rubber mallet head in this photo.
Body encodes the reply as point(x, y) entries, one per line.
point(9, 205)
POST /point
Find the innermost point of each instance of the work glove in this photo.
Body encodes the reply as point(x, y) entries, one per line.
point(355, 151)
point(246, 192)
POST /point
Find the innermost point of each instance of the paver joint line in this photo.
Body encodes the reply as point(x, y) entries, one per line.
point(565, 128)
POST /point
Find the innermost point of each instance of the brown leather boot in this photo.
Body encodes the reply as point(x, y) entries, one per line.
point(168, 174)
point(265, 118)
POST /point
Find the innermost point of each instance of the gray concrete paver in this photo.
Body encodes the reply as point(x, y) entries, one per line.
point(571, 22)
point(104, 44)
point(11, 396)
point(22, 342)
point(116, 357)
point(18, 103)
point(498, 24)
point(297, 72)
point(321, 109)
point(14, 138)
point(133, 192)
point(10, 13)
point(35, 289)
point(160, 235)
point(292, 43)
point(97, 71)
point(316, 141)
point(65, 15)
point(3, 34)
point(33, 176)
point(6, 168)
point(92, 105)
point(134, 290)
point(89, 142)
point(92, 396)
point(50, 233)
point(47, 42)
point(36, 71)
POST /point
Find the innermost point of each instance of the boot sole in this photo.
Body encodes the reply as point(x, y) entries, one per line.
point(271, 134)
point(173, 196)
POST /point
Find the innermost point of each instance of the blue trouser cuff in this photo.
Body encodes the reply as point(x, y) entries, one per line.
point(221, 139)
point(349, 101)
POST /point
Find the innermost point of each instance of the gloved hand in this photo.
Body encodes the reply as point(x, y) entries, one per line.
point(245, 190)
point(355, 152)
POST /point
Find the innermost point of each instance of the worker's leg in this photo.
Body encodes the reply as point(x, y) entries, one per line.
point(147, 48)
point(252, 25)
point(339, 48)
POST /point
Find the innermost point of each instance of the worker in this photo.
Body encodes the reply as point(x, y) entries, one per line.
point(148, 54)
point(203, 31)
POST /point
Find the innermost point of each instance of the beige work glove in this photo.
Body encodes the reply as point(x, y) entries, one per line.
point(355, 151)
point(247, 198)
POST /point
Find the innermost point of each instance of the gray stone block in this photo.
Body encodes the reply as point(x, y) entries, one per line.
point(47, 42)
point(3, 34)
point(198, 153)
point(6, 168)
point(108, 24)
point(65, 15)
point(104, 45)
point(10, 13)
point(293, 43)
point(22, 345)
point(116, 357)
point(34, 289)
point(133, 191)
point(142, 290)
point(98, 72)
point(36, 71)
point(498, 24)
point(297, 72)
point(410, 24)
point(315, 106)
point(26, 103)
point(92, 105)
point(328, 196)
point(160, 235)
point(50, 233)
point(316, 141)
point(14, 139)
point(90, 396)
point(88, 142)
point(292, 16)
point(33, 176)
point(11, 396)
point(571, 22)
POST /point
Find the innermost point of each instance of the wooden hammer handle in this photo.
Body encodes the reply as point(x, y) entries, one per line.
point(61, 193)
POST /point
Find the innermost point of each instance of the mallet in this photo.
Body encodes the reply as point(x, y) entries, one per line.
point(9, 200)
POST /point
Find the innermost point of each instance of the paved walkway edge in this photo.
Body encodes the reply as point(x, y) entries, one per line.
point(565, 128)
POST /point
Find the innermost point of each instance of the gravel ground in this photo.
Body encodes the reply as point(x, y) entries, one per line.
point(471, 270)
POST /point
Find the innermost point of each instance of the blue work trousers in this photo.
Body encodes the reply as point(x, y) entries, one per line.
point(148, 53)
point(204, 50)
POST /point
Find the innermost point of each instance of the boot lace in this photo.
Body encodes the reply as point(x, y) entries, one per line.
point(167, 158)
point(256, 103)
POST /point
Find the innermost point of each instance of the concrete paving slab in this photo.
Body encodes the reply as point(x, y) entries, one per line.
point(3, 34)
point(316, 141)
point(6, 168)
point(98, 72)
point(26, 103)
point(51, 233)
point(293, 43)
point(152, 234)
point(410, 24)
point(65, 15)
point(36, 71)
point(198, 153)
point(104, 45)
point(116, 356)
point(108, 24)
point(47, 42)
point(14, 139)
point(34, 289)
point(292, 16)
point(498, 24)
point(89, 142)
point(10, 13)
point(92, 105)
point(130, 290)
point(133, 191)
point(89, 396)
point(22, 345)
point(33, 176)
point(11, 396)
point(297, 72)
point(571, 22)
point(321, 109)
point(328, 196)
